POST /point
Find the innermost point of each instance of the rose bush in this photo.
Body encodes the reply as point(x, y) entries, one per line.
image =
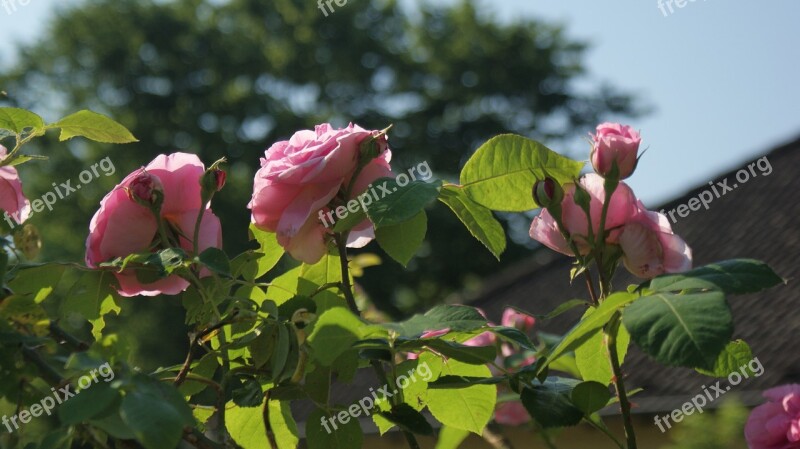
point(261, 339)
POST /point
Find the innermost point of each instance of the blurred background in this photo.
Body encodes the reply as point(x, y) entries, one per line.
point(711, 85)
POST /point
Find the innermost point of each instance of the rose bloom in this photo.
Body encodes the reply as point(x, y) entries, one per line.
point(299, 177)
point(776, 424)
point(124, 226)
point(12, 200)
point(621, 209)
point(615, 142)
point(650, 248)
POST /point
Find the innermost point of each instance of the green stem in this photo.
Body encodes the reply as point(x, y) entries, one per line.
point(619, 383)
point(196, 235)
point(341, 241)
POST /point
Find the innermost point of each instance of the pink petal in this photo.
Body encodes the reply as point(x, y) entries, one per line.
point(545, 231)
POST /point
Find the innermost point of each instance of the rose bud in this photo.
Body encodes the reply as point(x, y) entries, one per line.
point(547, 193)
point(145, 189)
point(221, 176)
point(212, 181)
point(615, 143)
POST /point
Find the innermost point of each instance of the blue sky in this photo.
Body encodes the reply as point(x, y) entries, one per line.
point(721, 76)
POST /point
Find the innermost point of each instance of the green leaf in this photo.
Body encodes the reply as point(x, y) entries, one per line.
point(20, 159)
point(350, 221)
point(248, 395)
point(550, 403)
point(513, 335)
point(736, 355)
point(560, 310)
point(281, 350)
point(592, 321)
point(205, 368)
point(246, 426)
point(405, 417)
point(271, 252)
point(473, 355)
point(156, 413)
point(93, 126)
point(446, 382)
point(737, 276)
point(113, 425)
point(92, 297)
point(334, 432)
point(590, 397)
point(37, 281)
point(400, 204)
point(426, 368)
point(455, 318)
point(681, 330)
point(401, 241)
point(469, 408)
point(334, 333)
point(18, 120)
point(283, 424)
point(451, 438)
point(478, 219)
point(592, 356)
point(89, 404)
point(501, 173)
point(216, 260)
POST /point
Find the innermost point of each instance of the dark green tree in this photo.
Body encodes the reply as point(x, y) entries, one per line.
point(229, 78)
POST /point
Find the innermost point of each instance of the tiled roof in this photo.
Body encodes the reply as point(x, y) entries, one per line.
point(759, 219)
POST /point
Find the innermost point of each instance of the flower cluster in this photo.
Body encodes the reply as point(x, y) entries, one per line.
point(600, 211)
point(159, 206)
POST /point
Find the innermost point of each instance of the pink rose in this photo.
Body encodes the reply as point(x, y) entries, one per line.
point(123, 226)
point(650, 248)
point(615, 142)
point(776, 424)
point(12, 200)
point(299, 178)
point(512, 318)
point(622, 208)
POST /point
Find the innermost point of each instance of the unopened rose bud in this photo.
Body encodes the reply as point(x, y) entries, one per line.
point(221, 176)
point(145, 189)
point(374, 146)
point(212, 181)
point(547, 193)
point(615, 144)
